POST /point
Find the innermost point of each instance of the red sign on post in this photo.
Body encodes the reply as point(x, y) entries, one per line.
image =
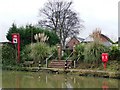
point(16, 40)
point(105, 59)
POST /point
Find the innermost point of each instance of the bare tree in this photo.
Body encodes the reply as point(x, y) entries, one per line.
point(59, 17)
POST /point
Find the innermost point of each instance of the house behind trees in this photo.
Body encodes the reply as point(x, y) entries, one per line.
point(100, 37)
point(73, 41)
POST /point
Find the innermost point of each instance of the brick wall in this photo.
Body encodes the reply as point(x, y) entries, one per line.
point(72, 42)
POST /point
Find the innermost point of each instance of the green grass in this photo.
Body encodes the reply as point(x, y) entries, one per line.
point(112, 65)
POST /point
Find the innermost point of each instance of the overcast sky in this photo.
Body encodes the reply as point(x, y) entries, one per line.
point(95, 13)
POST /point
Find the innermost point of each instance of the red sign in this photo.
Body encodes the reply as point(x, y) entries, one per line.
point(16, 40)
point(105, 59)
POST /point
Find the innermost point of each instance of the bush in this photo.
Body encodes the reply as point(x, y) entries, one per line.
point(114, 53)
point(54, 50)
point(36, 52)
point(8, 54)
point(80, 51)
point(65, 54)
point(93, 52)
point(25, 54)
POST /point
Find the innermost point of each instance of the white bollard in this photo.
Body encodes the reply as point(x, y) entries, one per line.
point(74, 64)
point(46, 62)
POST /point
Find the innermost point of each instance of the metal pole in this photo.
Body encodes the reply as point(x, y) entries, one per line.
point(16, 52)
point(18, 37)
point(74, 55)
point(46, 63)
point(74, 64)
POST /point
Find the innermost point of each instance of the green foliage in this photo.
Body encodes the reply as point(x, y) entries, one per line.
point(8, 55)
point(114, 53)
point(39, 51)
point(36, 52)
point(54, 50)
point(80, 51)
point(93, 52)
point(66, 54)
point(25, 54)
point(27, 34)
point(53, 38)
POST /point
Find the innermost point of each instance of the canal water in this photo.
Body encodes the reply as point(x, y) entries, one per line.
point(18, 79)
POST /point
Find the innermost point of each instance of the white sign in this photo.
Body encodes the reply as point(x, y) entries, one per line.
point(14, 40)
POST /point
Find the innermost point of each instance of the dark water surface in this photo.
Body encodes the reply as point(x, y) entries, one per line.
point(17, 79)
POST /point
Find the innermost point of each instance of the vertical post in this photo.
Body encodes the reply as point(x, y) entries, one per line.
point(59, 52)
point(74, 55)
point(39, 64)
point(74, 64)
point(16, 52)
point(16, 40)
point(46, 62)
point(105, 65)
point(74, 49)
point(18, 47)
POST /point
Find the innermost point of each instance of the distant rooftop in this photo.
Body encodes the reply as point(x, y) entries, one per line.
point(4, 41)
point(88, 39)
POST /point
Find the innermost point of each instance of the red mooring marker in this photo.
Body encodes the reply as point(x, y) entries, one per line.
point(16, 40)
point(105, 59)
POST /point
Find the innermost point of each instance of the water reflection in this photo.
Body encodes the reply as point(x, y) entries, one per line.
point(11, 79)
point(105, 85)
point(17, 82)
point(46, 79)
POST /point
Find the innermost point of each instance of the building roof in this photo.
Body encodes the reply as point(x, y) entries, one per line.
point(2, 42)
point(80, 39)
point(107, 38)
point(90, 39)
point(77, 38)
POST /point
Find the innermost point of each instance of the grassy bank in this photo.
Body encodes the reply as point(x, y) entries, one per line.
point(112, 65)
point(80, 72)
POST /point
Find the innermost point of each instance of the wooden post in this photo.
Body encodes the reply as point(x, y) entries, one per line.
point(59, 52)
